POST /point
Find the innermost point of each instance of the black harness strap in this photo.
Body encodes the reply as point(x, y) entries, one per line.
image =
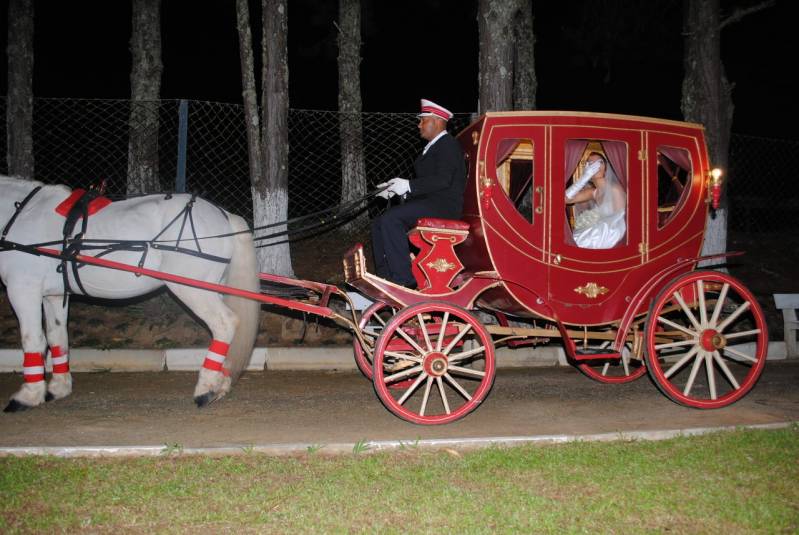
point(71, 247)
point(20, 205)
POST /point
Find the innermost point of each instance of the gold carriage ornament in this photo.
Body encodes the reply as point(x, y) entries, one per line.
point(591, 290)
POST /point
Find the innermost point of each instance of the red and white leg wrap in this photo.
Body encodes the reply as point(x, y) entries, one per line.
point(33, 367)
point(60, 358)
point(215, 357)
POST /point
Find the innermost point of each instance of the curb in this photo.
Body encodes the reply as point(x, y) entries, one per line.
point(296, 448)
point(275, 358)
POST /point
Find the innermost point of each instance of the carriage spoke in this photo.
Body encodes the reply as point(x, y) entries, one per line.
point(443, 330)
point(742, 333)
point(412, 388)
point(680, 363)
point(460, 356)
point(403, 356)
point(676, 344)
point(719, 304)
point(606, 367)
point(461, 334)
point(737, 353)
point(370, 331)
point(711, 376)
point(725, 369)
point(670, 323)
point(411, 341)
point(700, 293)
point(426, 395)
point(467, 371)
point(379, 319)
point(440, 384)
point(732, 317)
point(690, 383)
point(625, 362)
point(686, 310)
point(400, 375)
point(457, 387)
point(424, 332)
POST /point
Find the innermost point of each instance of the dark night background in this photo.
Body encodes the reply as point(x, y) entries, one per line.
point(609, 56)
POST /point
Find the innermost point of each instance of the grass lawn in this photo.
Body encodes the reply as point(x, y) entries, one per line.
point(729, 482)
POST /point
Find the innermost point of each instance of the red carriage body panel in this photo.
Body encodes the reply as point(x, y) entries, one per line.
point(519, 165)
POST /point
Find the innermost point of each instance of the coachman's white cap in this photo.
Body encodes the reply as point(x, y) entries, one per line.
point(431, 108)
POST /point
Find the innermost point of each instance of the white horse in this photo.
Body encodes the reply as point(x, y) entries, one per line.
point(33, 283)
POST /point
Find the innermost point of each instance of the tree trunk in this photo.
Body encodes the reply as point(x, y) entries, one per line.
point(353, 172)
point(270, 203)
point(525, 83)
point(145, 90)
point(706, 99)
point(19, 104)
point(495, 23)
point(249, 94)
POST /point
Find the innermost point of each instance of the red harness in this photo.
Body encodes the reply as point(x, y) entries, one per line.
point(94, 206)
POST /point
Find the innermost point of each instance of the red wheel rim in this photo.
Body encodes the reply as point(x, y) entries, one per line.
point(707, 350)
point(449, 358)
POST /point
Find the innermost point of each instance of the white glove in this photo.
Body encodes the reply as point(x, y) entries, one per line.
point(399, 186)
point(386, 193)
point(589, 171)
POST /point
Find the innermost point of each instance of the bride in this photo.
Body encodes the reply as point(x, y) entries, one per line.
point(602, 225)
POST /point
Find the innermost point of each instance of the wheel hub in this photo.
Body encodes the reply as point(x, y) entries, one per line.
point(435, 364)
point(712, 340)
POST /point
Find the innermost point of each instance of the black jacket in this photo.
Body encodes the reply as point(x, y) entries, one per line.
point(441, 177)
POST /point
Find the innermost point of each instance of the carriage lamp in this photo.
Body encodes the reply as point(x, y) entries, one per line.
point(715, 187)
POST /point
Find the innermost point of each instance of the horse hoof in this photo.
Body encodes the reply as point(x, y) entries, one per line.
point(204, 400)
point(49, 397)
point(16, 406)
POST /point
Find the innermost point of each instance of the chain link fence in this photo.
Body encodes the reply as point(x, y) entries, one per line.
point(80, 141)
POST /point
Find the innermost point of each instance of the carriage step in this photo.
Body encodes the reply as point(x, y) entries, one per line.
point(588, 353)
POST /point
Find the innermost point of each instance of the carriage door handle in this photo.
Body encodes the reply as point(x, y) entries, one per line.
point(540, 208)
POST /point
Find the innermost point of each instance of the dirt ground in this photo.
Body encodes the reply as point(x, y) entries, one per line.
point(316, 408)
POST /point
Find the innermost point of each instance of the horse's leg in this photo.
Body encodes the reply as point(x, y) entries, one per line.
point(213, 382)
point(27, 304)
point(55, 319)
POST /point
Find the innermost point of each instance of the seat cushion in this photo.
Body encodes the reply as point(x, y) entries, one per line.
point(444, 224)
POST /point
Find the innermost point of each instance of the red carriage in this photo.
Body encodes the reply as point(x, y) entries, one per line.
point(510, 272)
point(514, 271)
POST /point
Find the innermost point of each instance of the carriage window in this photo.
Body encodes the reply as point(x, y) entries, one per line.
point(674, 171)
point(596, 193)
point(515, 174)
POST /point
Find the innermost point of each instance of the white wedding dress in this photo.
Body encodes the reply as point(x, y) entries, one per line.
point(605, 223)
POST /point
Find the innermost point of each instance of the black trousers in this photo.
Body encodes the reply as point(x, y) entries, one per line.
point(390, 238)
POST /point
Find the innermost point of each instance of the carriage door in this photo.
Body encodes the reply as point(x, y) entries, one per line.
point(596, 238)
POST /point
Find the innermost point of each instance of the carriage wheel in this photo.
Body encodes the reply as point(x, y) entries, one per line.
point(373, 321)
point(614, 371)
point(443, 354)
point(706, 340)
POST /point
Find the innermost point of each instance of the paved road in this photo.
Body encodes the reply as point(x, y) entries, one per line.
point(134, 409)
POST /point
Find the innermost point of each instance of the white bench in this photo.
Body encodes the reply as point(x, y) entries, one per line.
point(788, 303)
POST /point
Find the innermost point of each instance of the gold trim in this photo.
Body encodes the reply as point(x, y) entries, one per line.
point(591, 290)
point(443, 230)
point(441, 265)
